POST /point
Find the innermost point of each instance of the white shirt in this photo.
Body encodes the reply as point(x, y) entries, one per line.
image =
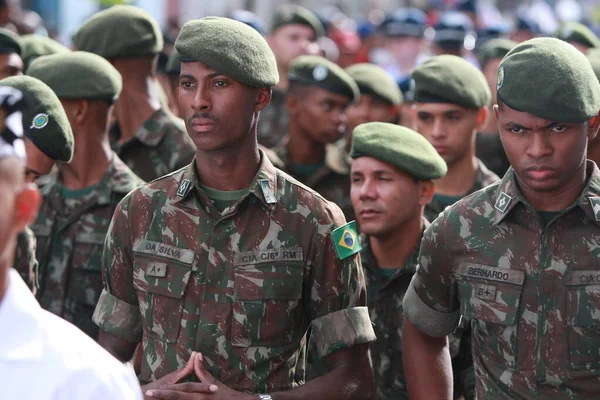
point(44, 357)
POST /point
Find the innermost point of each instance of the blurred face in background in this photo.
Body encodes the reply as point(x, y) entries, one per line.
point(291, 41)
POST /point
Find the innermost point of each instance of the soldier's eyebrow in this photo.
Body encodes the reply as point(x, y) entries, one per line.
point(187, 77)
point(512, 125)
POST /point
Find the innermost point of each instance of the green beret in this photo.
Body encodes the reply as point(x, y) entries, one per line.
point(289, 14)
point(229, 47)
point(495, 48)
point(44, 120)
point(578, 33)
point(399, 146)
point(78, 75)
point(450, 79)
point(120, 31)
point(35, 46)
point(375, 81)
point(10, 42)
point(318, 71)
point(593, 56)
point(550, 79)
point(173, 64)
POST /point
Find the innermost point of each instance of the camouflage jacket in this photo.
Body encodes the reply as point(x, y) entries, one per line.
point(242, 286)
point(25, 262)
point(274, 120)
point(384, 299)
point(532, 291)
point(332, 180)
point(70, 242)
point(484, 178)
point(161, 146)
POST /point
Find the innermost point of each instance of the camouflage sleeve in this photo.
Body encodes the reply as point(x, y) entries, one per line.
point(431, 303)
point(337, 292)
point(25, 262)
point(117, 311)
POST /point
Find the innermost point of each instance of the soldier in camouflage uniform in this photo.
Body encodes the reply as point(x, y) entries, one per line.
point(230, 257)
point(451, 99)
point(294, 32)
point(146, 136)
point(521, 256)
point(79, 197)
point(45, 145)
point(392, 172)
point(319, 94)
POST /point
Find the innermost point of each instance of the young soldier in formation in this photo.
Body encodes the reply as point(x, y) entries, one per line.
point(318, 97)
point(146, 136)
point(79, 198)
point(221, 267)
point(520, 257)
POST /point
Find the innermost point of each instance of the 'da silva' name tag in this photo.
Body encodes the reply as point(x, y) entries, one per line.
point(471, 270)
point(262, 256)
point(164, 250)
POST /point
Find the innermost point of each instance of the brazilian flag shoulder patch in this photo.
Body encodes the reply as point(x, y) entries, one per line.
point(346, 241)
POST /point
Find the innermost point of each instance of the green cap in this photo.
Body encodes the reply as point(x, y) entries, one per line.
point(120, 31)
point(10, 42)
point(593, 56)
point(450, 79)
point(35, 46)
point(578, 33)
point(550, 79)
point(44, 120)
point(289, 14)
point(229, 47)
point(318, 71)
point(375, 81)
point(495, 48)
point(399, 146)
point(173, 64)
point(78, 75)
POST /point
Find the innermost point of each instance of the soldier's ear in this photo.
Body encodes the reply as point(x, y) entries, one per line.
point(426, 192)
point(263, 99)
point(593, 126)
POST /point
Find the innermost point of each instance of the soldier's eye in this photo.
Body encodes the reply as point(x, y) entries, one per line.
point(559, 128)
point(517, 129)
point(220, 83)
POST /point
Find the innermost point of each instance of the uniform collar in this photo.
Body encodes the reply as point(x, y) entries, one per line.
point(507, 195)
point(263, 186)
point(153, 131)
point(117, 179)
point(20, 337)
point(335, 157)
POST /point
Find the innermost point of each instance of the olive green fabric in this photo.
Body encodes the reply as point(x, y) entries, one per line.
point(173, 64)
point(35, 46)
point(593, 56)
point(318, 71)
point(398, 146)
point(9, 42)
point(578, 33)
point(375, 81)
point(229, 47)
point(450, 79)
point(495, 48)
point(550, 79)
point(78, 75)
point(44, 120)
point(120, 31)
point(289, 14)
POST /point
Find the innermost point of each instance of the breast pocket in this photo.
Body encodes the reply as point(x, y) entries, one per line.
point(265, 304)
point(491, 296)
point(161, 284)
point(583, 319)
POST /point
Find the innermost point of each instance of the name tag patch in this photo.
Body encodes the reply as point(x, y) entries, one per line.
point(263, 256)
point(575, 278)
point(156, 269)
point(486, 292)
point(471, 270)
point(185, 256)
